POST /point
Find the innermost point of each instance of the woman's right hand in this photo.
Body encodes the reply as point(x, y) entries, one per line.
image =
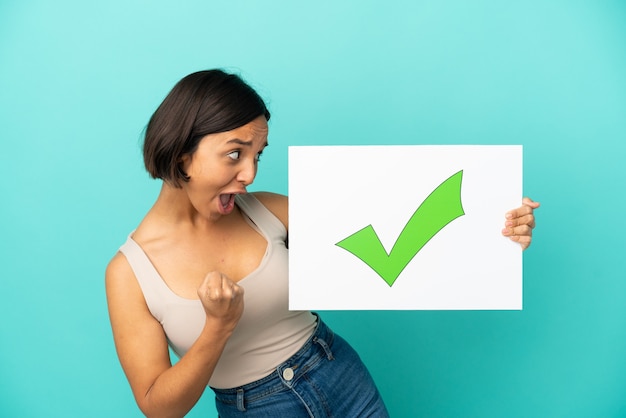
point(221, 298)
point(160, 388)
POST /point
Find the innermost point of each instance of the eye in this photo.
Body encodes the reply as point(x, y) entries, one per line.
point(258, 156)
point(234, 155)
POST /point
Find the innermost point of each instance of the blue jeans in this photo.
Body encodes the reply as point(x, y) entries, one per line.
point(325, 378)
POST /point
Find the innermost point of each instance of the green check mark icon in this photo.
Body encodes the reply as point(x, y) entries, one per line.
point(440, 208)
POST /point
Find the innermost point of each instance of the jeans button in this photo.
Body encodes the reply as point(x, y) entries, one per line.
point(288, 374)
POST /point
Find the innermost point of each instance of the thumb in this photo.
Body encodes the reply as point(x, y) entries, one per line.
point(531, 203)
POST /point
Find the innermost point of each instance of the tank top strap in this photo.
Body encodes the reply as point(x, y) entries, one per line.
point(261, 216)
point(156, 292)
point(152, 285)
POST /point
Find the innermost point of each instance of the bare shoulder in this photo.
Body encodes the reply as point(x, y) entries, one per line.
point(139, 338)
point(118, 272)
point(124, 295)
point(122, 289)
point(278, 204)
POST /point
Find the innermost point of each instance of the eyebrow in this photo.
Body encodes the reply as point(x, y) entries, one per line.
point(241, 142)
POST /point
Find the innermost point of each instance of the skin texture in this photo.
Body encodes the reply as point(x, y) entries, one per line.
point(202, 250)
point(201, 245)
point(520, 222)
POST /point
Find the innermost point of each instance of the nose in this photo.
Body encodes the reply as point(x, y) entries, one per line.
point(247, 173)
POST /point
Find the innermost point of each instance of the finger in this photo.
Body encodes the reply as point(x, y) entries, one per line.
point(518, 233)
point(518, 212)
point(229, 290)
point(522, 220)
point(529, 202)
point(214, 293)
point(236, 291)
point(522, 230)
point(229, 287)
point(528, 205)
point(212, 286)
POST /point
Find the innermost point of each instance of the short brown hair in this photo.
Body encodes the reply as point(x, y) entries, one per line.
point(202, 103)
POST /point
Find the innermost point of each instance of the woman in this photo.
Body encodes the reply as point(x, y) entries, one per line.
point(180, 277)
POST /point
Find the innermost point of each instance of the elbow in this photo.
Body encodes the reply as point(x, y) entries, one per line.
point(158, 410)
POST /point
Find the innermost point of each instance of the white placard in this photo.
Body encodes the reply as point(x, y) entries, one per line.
point(448, 254)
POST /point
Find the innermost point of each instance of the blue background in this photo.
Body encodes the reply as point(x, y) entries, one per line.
point(79, 80)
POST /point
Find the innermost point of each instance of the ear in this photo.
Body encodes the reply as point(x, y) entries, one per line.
point(182, 165)
point(184, 159)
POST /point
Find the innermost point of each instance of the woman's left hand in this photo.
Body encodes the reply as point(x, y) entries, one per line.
point(520, 222)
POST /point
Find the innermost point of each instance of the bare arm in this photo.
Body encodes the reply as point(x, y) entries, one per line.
point(160, 389)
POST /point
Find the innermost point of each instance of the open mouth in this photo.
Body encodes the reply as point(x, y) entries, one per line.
point(227, 203)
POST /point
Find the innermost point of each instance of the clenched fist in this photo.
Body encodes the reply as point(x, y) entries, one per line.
point(222, 298)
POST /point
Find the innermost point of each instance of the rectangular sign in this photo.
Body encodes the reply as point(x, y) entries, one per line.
point(403, 227)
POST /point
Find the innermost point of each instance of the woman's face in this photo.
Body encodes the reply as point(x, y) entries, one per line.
point(222, 166)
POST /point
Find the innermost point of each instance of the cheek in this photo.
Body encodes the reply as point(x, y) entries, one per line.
point(211, 178)
point(201, 185)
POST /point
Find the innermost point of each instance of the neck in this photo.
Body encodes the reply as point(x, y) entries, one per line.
point(173, 206)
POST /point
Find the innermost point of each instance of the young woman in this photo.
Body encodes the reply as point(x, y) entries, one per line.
point(179, 279)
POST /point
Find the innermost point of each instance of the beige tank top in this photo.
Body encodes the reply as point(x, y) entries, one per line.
point(267, 334)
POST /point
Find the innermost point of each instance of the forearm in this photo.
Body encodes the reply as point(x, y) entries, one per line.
point(175, 391)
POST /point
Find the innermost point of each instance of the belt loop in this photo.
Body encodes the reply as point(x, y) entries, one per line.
point(240, 405)
point(325, 347)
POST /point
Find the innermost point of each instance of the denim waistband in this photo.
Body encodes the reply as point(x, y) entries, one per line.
point(286, 373)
